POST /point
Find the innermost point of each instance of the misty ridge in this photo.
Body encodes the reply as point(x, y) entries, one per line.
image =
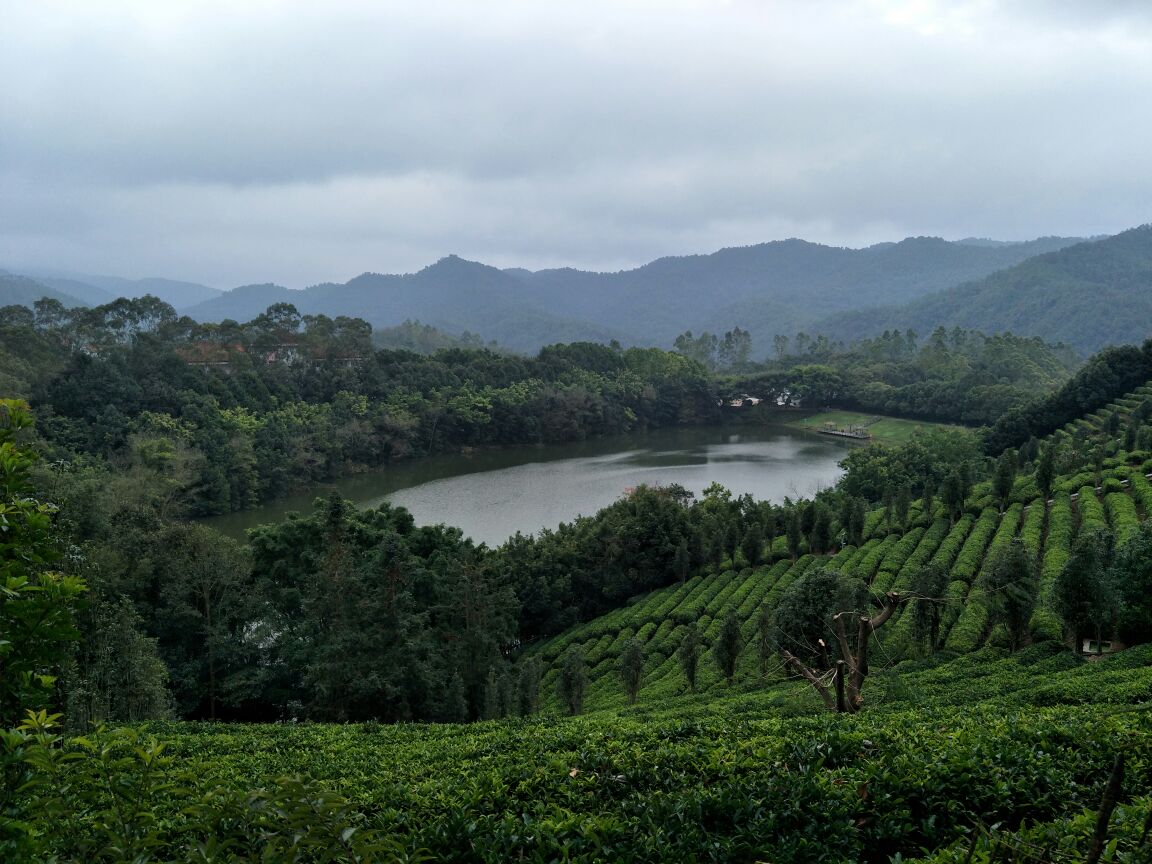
point(1050, 287)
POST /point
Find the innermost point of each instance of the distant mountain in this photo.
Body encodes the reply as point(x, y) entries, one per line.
point(16, 290)
point(95, 290)
point(452, 295)
point(771, 288)
point(1087, 295)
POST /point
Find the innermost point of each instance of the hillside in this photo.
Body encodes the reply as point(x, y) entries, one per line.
point(451, 295)
point(769, 288)
point(1088, 295)
point(968, 748)
point(1117, 497)
point(22, 291)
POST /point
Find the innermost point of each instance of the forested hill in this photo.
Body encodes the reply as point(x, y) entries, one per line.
point(16, 290)
point(770, 288)
point(78, 289)
point(1088, 295)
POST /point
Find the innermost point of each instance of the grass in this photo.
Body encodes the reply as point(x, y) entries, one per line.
point(889, 430)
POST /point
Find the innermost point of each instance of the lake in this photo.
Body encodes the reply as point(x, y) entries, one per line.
point(491, 495)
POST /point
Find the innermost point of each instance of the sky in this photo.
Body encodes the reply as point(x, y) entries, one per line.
point(240, 141)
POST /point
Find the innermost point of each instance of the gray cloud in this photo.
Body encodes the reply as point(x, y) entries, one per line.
point(302, 142)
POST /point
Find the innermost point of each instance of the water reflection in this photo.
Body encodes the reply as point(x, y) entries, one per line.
point(494, 494)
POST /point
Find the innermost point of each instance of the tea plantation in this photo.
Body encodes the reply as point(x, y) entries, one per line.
point(967, 753)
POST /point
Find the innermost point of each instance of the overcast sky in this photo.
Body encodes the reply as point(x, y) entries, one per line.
point(254, 140)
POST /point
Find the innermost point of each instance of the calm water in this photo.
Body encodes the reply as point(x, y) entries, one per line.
point(492, 495)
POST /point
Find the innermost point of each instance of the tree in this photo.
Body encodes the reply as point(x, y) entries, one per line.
point(632, 669)
point(1083, 594)
point(952, 496)
point(455, 706)
point(572, 680)
point(682, 563)
point(806, 619)
point(900, 506)
point(115, 673)
point(726, 649)
point(765, 638)
point(531, 671)
point(689, 655)
point(753, 544)
point(1046, 470)
point(857, 520)
point(1005, 477)
point(1132, 578)
point(780, 345)
point(37, 604)
point(821, 537)
point(492, 694)
point(928, 587)
point(794, 533)
point(1009, 584)
point(927, 498)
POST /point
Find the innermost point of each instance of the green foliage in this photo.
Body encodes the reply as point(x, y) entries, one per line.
point(572, 681)
point(1083, 594)
point(688, 653)
point(726, 648)
point(1010, 586)
point(928, 588)
point(37, 605)
point(632, 668)
point(1132, 577)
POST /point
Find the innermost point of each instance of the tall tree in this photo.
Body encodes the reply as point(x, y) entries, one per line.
point(1083, 595)
point(726, 648)
point(1010, 586)
point(37, 605)
point(928, 587)
point(689, 654)
point(572, 680)
point(753, 544)
point(531, 671)
point(1046, 470)
point(1132, 578)
point(794, 534)
point(765, 638)
point(632, 669)
point(1004, 477)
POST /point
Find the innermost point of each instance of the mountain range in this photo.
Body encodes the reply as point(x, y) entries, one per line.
point(770, 288)
point(1087, 296)
point(1086, 293)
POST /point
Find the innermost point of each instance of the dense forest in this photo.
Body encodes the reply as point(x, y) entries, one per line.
point(967, 561)
point(958, 376)
point(1089, 296)
point(233, 414)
